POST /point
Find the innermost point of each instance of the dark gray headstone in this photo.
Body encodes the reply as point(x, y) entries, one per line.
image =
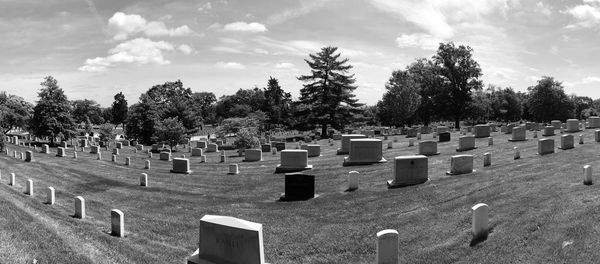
point(299, 186)
point(444, 136)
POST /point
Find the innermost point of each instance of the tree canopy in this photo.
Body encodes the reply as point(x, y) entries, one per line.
point(52, 115)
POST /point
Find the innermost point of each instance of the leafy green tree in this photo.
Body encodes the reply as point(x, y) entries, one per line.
point(481, 110)
point(106, 132)
point(107, 115)
point(240, 104)
point(277, 102)
point(87, 110)
point(119, 109)
point(246, 139)
point(426, 74)
point(327, 92)
point(581, 104)
point(204, 102)
point(170, 130)
point(460, 76)
point(142, 120)
point(400, 101)
point(52, 113)
point(506, 104)
point(548, 101)
point(233, 125)
point(15, 112)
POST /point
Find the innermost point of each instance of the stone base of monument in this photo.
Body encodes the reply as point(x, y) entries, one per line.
point(195, 259)
point(181, 172)
point(341, 152)
point(461, 150)
point(393, 184)
point(459, 173)
point(428, 154)
point(516, 140)
point(348, 162)
point(281, 169)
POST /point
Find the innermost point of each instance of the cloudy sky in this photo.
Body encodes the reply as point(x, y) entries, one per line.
point(97, 48)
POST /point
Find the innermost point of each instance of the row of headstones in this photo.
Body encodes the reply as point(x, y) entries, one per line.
point(117, 218)
point(218, 234)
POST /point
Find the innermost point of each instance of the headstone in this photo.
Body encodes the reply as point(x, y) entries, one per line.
point(409, 170)
point(534, 134)
point(411, 132)
point(118, 145)
point(387, 247)
point(566, 142)
point(274, 151)
point(293, 160)
point(418, 136)
point(127, 161)
point(233, 169)
point(117, 223)
point(29, 188)
point(181, 166)
point(353, 180)
point(518, 134)
point(299, 186)
point(265, 147)
point(548, 131)
point(481, 131)
point(79, 207)
point(442, 129)
point(253, 155)
point(15, 154)
point(45, 149)
point(461, 164)
point(212, 147)
point(365, 151)
point(165, 156)
point(202, 158)
point(75, 154)
point(517, 153)
point(428, 148)
point(411, 142)
point(487, 159)
point(556, 124)
point(389, 145)
point(197, 152)
point(466, 143)
point(50, 197)
point(147, 164)
point(115, 151)
point(345, 148)
point(580, 138)
point(314, 150)
point(444, 137)
point(29, 156)
point(480, 221)
point(597, 135)
point(99, 156)
point(490, 141)
point(60, 152)
point(545, 146)
point(144, 180)
point(509, 128)
point(201, 144)
point(223, 157)
point(139, 147)
point(594, 122)
point(572, 125)
point(587, 174)
point(114, 158)
point(12, 181)
point(225, 239)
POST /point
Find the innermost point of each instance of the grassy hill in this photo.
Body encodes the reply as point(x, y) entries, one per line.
point(540, 211)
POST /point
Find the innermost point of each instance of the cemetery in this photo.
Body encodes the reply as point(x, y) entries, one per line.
point(352, 154)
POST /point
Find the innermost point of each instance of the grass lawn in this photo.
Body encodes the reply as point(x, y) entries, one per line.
point(540, 211)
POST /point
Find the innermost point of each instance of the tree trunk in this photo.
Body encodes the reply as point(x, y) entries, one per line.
point(456, 123)
point(324, 130)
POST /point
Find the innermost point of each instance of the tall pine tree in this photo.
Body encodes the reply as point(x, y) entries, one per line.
point(327, 97)
point(52, 114)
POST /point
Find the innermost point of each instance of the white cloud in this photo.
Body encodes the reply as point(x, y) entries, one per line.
point(261, 51)
point(590, 79)
point(305, 8)
point(586, 15)
point(245, 27)
point(554, 49)
point(437, 17)
point(284, 65)
point(230, 65)
point(122, 26)
point(205, 7)
point(136, 51)
point(420, 40)
point(185, 49)
point(543, 9)
point(293, 47)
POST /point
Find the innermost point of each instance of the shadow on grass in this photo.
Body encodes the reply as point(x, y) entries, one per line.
point(351, 189)
point(479, 239)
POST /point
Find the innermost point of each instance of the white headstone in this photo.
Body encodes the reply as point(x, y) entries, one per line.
point(144, 180)
point(517, 153)
point(253, 155)
point(29, 188)
point(580, 138)
point(50, 196)
point(387, 247)
point(147, 164)
point(461, 164)
point(127, 161)
point(480, 221)
point(487, 159)
point(365, 151)
point(409, 170)
point(181, 165)
point(411, 142)
point(233, 169)
point(587, 172)
point(12, 182)
point(545, 146)
point(117, 223)
point(353, 180)
point(99, 156)
point(293, 160)
point(79, 207)
point(225, 239)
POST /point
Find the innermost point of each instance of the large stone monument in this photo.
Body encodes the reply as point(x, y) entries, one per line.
point(466, 143)
point(181, 165)
point(293, 160)
point(409, 170)
point(518, 134)
point(481, 131)
point(567, 142)
point(231, 240)
point(572, 125)
point(428, 148)
point(298, 187)
point(345, 148)
point(545, 146)
point(364, 151)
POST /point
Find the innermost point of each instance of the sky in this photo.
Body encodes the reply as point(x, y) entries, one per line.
point(97, 48)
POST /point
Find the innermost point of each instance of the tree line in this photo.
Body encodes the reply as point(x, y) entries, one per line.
point(446, 86)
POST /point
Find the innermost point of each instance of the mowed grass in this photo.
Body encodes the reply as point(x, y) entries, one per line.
point(540, 211)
